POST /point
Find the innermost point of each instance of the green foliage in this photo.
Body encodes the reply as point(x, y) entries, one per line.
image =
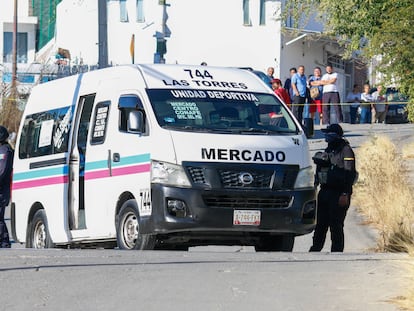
point(373, 27)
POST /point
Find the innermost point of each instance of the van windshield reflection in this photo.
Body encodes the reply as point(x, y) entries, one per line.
point(229, 112)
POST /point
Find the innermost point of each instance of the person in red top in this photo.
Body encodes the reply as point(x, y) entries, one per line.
point(280, 91)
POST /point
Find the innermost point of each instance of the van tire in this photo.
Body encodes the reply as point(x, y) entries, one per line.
point(127, 229)
point(38, 232)
point(275, 243)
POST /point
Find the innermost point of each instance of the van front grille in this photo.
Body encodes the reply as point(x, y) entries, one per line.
point(219, 176)
point(247, 202)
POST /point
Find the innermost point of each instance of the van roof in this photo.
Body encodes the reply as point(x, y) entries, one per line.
point(201, 77)
point(65, 91)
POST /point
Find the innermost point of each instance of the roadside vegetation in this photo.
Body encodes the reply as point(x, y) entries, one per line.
point(384, 195)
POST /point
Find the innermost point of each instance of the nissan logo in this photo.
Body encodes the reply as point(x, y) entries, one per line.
point(246, 178)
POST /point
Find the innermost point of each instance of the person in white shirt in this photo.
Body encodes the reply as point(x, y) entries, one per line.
point(330, 97)
point(380, 105)
point(354, 98)
point(366, 105)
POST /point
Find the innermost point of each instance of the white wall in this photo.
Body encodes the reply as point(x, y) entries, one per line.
point(213, 31)
point(7, 9)
point(26, 23)
point(77, 29)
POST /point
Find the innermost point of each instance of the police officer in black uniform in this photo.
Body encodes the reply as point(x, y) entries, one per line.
point(6, 165)
point(335, 173)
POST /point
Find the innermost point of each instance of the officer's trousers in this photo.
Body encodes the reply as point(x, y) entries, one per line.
point(329, 216)
point(4, 233)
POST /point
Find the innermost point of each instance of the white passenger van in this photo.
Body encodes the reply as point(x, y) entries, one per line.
point(160, 156)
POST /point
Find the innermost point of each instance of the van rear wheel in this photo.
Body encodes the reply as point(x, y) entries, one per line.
point(127, 231)
point(39, 236)
point(275, 243)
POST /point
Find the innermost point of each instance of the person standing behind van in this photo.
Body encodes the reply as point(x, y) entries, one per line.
point(330, 97)
point(366, 105)
point(280, 91)
point(6, 165)
point(288, 83)
point(380, 104)
point(314, 82)
point(299, 87)
point(354, 98)
point(270, 73)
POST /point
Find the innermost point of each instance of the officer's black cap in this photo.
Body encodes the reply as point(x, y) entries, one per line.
point(334, 128)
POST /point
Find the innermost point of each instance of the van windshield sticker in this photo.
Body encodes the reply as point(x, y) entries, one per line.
point(239, 96)
point(45, 136)
point(100, 122)
point(186, 111)
point(62, 129)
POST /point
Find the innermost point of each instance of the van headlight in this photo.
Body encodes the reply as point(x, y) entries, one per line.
point(305, 178)
point(168, 174)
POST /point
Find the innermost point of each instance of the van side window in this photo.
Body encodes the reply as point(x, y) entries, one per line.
point(45, 133)
point(100, 122)
point(126, 104)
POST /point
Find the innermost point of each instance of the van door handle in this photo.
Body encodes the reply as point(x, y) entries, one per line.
point(109, 162)
point(116, 157)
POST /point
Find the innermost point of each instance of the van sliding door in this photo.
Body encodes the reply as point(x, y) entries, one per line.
point(77, 162)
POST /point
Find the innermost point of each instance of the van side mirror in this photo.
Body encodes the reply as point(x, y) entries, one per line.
point(308, 127)
point(136, 123)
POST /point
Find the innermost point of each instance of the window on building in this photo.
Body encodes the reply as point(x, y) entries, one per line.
point(335, 61)
point(140, 11)
point(262, 17)
point(21, 47)
point(123, 11)
point(246, 13)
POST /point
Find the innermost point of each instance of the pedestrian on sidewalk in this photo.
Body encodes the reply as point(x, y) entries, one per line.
point(380, 106)
point(315, 82)
point(330, 97)
point(354, 99)
point(366, 105)
point(299, 87)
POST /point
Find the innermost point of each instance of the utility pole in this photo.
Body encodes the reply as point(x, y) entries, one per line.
point(102, 33)
point(13, 92)
point(9, 114)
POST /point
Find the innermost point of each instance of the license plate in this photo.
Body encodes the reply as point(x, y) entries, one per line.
point(246, 218)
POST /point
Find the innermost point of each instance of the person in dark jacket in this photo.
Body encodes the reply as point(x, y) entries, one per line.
point(336, 174)
point(6, 165)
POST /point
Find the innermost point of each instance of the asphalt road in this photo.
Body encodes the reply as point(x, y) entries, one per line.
point(214, 278)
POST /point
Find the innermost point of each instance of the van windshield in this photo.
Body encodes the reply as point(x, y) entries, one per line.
point(222, 111)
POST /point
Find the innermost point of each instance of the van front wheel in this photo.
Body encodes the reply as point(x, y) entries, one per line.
point(39, 236)
point(127, 229)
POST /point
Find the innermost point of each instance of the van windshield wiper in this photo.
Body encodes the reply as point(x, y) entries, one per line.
point(255, 130)
point(188, 128)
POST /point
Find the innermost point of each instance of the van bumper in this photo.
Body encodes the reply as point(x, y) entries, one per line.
point(282, 212)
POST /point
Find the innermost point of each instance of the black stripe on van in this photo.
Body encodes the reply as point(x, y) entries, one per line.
point(40, 164)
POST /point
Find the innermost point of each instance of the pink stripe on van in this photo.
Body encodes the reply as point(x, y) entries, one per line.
point(119, 171)
point(40, 182)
